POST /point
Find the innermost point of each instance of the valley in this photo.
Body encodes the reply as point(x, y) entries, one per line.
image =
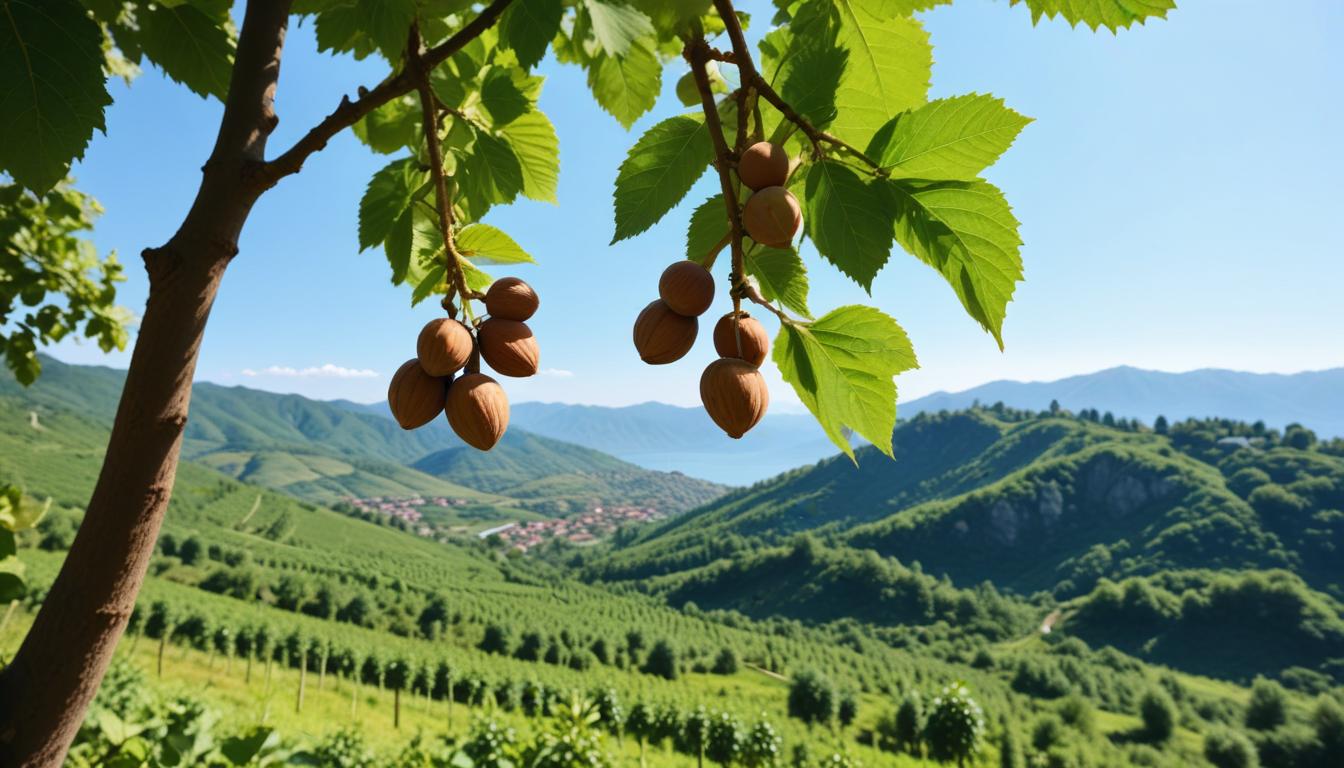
point(1174, 566)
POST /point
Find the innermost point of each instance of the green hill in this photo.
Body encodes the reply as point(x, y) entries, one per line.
point(329, 479)
point(1220, 624)
point(1018, 503)
point(327, 451)
point(513, 631)
point(560, 476)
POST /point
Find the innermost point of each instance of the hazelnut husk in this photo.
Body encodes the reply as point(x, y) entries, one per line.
point(511, 299)
point(744, 338)
point(663, 336)
point(687, 288)
point(478, 410)
point(763, 165)
point(414, 396)
point(443, 347)
point(734, 394)
point(772, 217)
point(509, 347)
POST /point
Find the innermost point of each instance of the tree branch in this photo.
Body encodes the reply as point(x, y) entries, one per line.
point(750, 77)
point(696, 53)
point(420, 70)
point(349, 112)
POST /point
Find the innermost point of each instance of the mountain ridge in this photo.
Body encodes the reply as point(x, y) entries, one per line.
point(325, 452)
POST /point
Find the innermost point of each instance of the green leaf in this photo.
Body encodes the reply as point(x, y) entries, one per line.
point(528, 28)
point(386, 23)
point(341, 29)
point(628, 86)
point(849, 219)
point(617, 27)
point(501, 97)
point(189, 46)
point(1111, 14)
point(708, 229)
point(781, 275)
point(11, 572)
point(18, 513)
point(953, 139)
point(391, 127)
point(477, 280)
point(399, 245)
point(533, 140)
point(807, 70)
point(448, 87)
point(484, 243)
point(52, 88)
point(658, 172)
point(389, 194)
point(842, 366)
point(430, 283)
point(490, 174)
point(887, 73)
point(966, 231)
point(242, 750)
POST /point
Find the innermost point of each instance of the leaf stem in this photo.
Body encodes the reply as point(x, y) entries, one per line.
point(751, 77)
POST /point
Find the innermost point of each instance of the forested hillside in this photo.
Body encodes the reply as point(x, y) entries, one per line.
point(782, 594)
point(1235, 520)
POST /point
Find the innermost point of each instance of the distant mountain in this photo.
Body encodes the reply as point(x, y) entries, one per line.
point(324, 451)
point(669, 437)
point(559, 477)
point(1311, 398)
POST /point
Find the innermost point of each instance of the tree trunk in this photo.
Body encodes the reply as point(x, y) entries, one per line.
point(247, 675)
point(396, 708)
point(303, 677)
point(450, 704)
point(163, 642)
point(45, 691)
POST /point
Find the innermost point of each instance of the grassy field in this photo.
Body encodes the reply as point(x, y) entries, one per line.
point(333, 704)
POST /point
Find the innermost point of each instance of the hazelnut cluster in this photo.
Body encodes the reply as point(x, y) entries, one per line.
point(475, 404)
point(732, 388)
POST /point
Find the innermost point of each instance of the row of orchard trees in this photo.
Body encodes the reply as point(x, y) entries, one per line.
point(719, 736)
point(953, 728)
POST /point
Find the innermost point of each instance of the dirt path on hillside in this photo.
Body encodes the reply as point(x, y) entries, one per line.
point(1049, 623)
point(767, 672)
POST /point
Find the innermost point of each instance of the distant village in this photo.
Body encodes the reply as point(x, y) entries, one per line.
point(407, 509)
point(584, 528)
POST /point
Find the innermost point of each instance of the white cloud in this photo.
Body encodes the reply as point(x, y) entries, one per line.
point(556, 373)
point(326, 371)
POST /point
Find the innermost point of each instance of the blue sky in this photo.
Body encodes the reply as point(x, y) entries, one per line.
point(1179, 193)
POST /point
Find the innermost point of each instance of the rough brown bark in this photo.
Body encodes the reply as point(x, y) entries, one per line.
point(45, 690)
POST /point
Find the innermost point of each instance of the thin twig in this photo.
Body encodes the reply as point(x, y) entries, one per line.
point(751, 77)
point(349, 112)
point(751, 293)
point(696, 53)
